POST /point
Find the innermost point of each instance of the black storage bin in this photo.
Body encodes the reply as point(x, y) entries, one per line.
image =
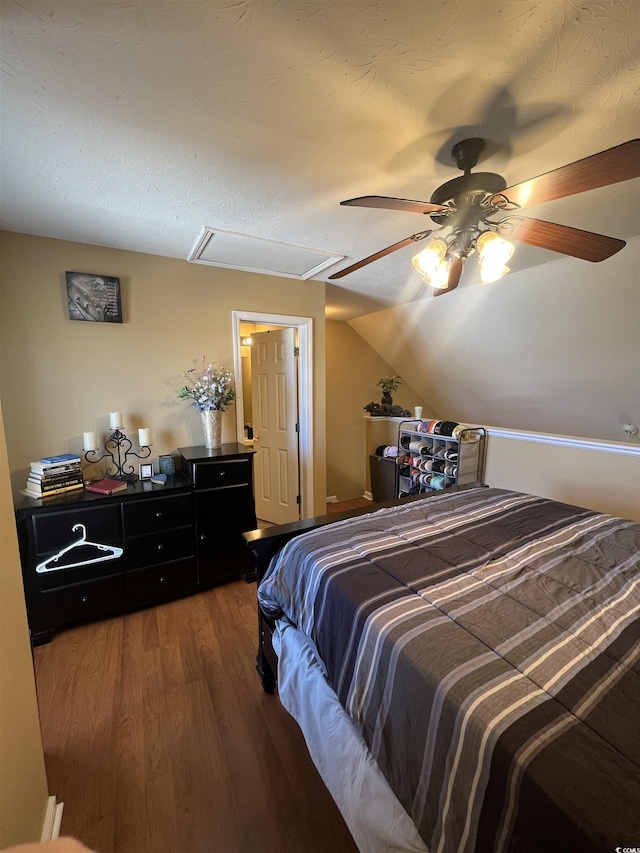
point(383, 478)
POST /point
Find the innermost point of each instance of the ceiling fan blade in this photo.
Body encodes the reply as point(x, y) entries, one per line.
point(455, 271)
point(381, 254)
point(566, 240)
point(620, 163)
point(405, 204)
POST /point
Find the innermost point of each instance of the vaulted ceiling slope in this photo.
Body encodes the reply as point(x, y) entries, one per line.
point(136, 124)
point(552, 350)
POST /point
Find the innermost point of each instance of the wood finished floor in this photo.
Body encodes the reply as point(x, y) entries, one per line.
point(158, 737)
point(345, 505)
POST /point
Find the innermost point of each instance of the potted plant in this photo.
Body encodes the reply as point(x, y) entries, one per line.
point(388, 384)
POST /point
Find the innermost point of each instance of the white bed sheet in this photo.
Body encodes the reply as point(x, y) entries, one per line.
point(375, 817)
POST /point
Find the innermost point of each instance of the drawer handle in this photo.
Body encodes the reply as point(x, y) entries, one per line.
point(84, 599)
point(160, 546)
point(162, 578)
point(223, 473)
point(202, 537)
point(158, 514)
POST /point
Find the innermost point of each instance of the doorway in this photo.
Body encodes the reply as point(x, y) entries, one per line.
point(303, 327)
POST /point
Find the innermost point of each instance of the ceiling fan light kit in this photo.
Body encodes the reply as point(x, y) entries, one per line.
point(466, 203)
point(493, 253)
point(432, 264)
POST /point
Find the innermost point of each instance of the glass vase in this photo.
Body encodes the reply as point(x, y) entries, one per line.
point(212, 425)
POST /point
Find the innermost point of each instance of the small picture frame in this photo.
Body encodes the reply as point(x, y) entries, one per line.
point(146, 472)
point(167, 464)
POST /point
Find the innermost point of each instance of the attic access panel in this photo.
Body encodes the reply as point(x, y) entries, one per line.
point(233, 250)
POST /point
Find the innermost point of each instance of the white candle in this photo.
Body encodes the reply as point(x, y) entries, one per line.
point(144, 437)
point(90, 441)
point(115, 420)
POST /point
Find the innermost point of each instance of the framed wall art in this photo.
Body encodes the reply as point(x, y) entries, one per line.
point(94, 297)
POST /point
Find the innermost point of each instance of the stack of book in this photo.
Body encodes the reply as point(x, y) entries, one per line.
point(53, 475)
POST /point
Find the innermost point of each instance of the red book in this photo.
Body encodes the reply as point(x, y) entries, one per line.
point(106, 486)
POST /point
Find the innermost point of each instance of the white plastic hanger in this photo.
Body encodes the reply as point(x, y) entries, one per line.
point(108, 552)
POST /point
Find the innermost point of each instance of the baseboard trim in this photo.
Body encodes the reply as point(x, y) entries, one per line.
point(368, 496)
point(52, 820)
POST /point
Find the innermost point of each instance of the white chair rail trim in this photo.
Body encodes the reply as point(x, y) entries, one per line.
point(620, 447)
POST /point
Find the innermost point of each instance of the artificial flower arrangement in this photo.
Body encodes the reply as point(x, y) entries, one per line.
point(210, 389)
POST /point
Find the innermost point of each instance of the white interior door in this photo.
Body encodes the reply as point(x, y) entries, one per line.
point(275, 419)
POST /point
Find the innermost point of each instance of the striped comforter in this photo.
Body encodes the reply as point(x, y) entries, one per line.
point(488, 645)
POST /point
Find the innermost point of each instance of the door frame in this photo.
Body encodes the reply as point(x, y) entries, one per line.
point(304, 325)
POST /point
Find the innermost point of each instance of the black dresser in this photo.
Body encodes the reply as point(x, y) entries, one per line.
point(87, 556)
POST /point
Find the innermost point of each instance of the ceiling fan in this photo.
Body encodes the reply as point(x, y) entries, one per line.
point(466, 203)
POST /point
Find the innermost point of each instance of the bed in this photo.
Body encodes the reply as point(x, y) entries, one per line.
point(465, 668)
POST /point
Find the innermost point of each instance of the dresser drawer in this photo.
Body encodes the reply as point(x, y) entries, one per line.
point(230, 472)
point(222, 513)
point(161, 547)
point(53, 531)
point(78, 602)
point(89, 570)
point(155, 514)
point(160, 583)
point(75, 546)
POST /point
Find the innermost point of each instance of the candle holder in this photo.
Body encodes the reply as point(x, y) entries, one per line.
point(118, 447)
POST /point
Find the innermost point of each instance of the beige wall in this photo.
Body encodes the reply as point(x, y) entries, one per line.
point(555, 350)
point(605, 481)
point(353, 369)
point(23, 783)
point(61, 377)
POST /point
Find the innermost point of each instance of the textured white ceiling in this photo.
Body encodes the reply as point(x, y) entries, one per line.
point(134, 125)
